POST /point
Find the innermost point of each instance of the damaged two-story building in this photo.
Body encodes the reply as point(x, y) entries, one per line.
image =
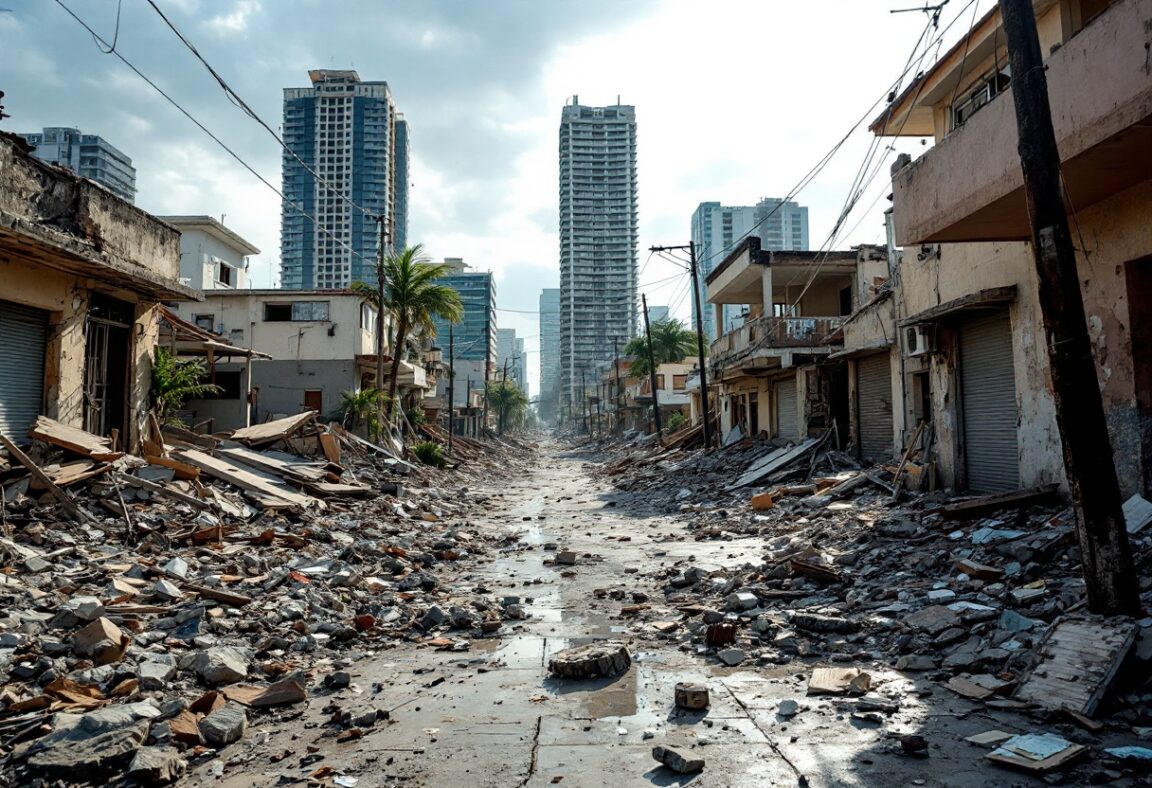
point(959, 325)
point(771, 374)
point(82, 277)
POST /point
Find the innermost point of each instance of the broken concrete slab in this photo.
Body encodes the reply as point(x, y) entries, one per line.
point(222, 664)
point(224, 726)
point(157, 766)
point(590, 661)
point(676, 761)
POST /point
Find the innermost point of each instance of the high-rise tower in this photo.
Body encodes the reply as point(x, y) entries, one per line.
point(345, 131)
point(598, 236)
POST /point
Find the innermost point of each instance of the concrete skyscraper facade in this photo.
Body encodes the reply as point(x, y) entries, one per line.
point(549, 342)
point(781, 225)
point(87, 155)
point(345, 131)
point(598, 236)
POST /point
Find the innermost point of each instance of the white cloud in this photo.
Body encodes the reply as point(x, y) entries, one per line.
point(234, 23)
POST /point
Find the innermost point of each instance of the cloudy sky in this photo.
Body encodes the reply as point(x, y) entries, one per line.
point(736, 100)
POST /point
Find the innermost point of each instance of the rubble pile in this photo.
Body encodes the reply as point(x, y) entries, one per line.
point(156, 607)
point(982, 595)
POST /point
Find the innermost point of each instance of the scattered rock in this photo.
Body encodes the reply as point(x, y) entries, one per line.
point(591, 661)
point(681, 764)
point(225, 725)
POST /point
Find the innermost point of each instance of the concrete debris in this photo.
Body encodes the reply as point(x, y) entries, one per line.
point(213, 563)
point(677, 762)
point(157, 766)
point(692, 696)
point(591, 661)
point(225, 725)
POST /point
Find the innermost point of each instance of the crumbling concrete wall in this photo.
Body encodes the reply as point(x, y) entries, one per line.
point(937, 275)
point(1114, 234)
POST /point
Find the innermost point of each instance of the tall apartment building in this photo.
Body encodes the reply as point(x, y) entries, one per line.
point(781, 225)
point(549, 342)
point(345, 131)
point(87, 155)
point(598, 236)
point(474, 337)
point(400, 222)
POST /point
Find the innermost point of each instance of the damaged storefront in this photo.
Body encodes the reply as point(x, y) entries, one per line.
point(84, 273)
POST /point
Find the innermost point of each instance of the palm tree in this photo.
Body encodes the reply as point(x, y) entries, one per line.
point(414, 298)
point(671, 342)
point(510, 402)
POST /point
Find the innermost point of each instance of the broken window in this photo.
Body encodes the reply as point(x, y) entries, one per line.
point(224, 274)
point(206, 322)
point(982, 92)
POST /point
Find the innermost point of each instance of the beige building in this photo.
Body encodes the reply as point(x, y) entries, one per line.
point(321, 343)
point(969, 355)
point(83, 276)
point(771, 374)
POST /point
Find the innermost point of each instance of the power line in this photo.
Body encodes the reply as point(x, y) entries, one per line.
point(235, 98)
point(96, 36)
point(823, 162)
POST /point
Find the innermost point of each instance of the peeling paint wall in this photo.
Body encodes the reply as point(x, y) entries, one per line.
point(66, 297)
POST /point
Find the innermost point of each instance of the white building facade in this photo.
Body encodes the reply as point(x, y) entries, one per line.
point(212, 257)
point(781, 225)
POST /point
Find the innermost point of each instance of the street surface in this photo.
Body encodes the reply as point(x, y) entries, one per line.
point(491, 715)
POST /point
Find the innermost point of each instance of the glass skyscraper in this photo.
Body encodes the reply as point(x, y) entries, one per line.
point(345, 131)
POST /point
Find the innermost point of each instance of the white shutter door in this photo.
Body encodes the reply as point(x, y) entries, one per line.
point(22, 338)
point(988, 392)
point(787, 423)
point(874, 401)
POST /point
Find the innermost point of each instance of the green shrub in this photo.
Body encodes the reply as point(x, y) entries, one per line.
point(429, 453)
point(676, 421)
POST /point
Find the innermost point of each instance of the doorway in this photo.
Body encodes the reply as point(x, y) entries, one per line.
point(107, 366)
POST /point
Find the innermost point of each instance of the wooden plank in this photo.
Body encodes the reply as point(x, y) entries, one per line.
point(266, 486)
point(160, 489)
point(1077, 662)
point(66, 501)
point(773, 462)
point(71, 438)
point(270, 463)
point(218, 594)
point(330, 446)
point(273, 430)
point(183, 469)
point(985, 504)
point(72, 473)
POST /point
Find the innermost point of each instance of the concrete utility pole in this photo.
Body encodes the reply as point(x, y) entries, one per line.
point(451, 387)
point(380, 308)
point(503, 393)
point(616, 370)
point(652, 371)
point(1088, 460)
point(691, 247)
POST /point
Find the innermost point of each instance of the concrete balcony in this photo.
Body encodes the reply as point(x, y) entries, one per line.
point(969, 186)
point(771, 342)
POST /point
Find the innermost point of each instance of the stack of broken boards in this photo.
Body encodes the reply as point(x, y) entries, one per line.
point(264, 461)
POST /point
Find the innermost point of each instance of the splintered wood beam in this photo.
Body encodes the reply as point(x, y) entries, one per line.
point(65, 499)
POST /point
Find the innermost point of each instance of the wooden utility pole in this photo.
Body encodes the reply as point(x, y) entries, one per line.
point(652, 370)
point(451, 387)
point(1112, 584)
point(707, 411)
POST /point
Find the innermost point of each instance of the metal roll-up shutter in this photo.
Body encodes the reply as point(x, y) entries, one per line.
point(787, 424)
point(22, 337)
point(988, 398)
point(874, 407)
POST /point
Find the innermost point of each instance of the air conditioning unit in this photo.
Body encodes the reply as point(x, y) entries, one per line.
point(920, 340)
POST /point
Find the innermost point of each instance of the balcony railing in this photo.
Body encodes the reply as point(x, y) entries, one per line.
point(766, 333)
